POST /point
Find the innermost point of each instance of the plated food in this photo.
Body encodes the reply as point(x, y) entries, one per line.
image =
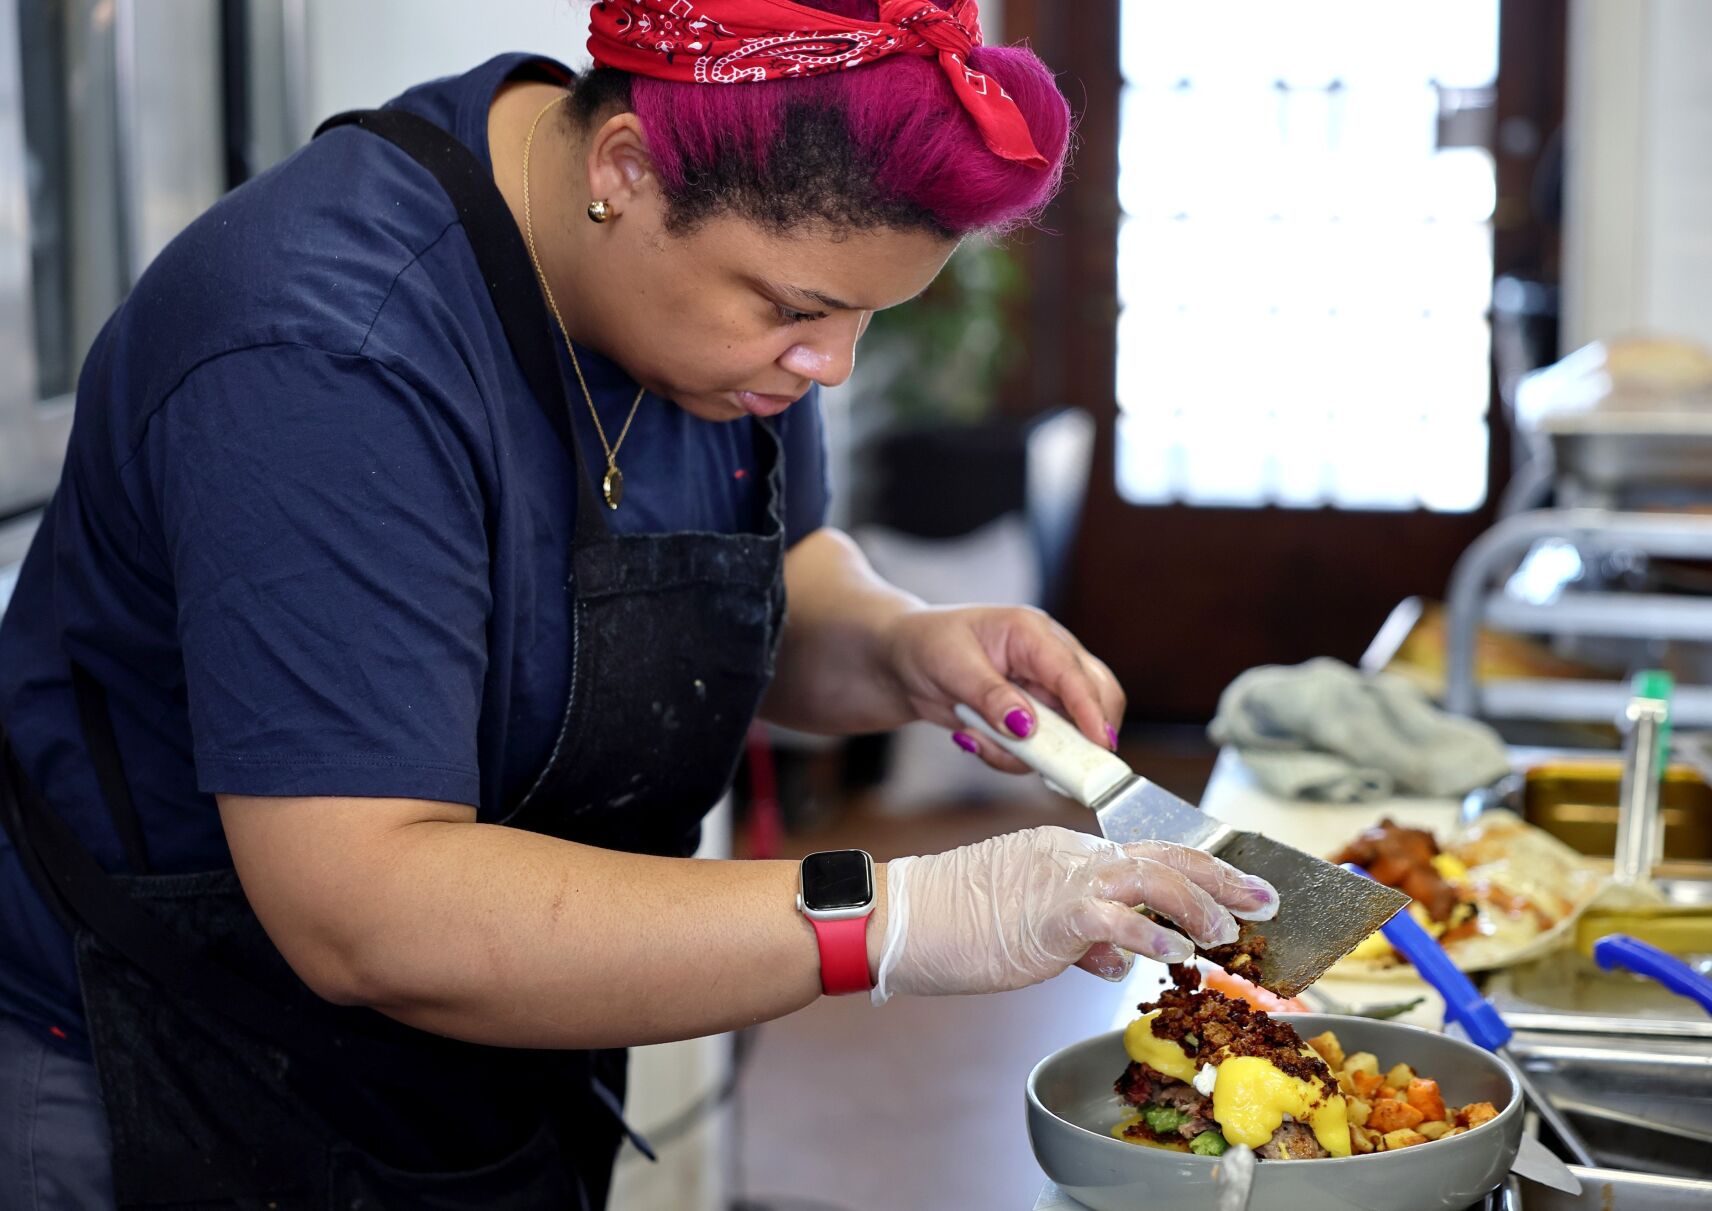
point(1496, 892)
point(1207, 1071)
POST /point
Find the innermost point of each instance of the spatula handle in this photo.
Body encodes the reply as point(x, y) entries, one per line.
point(1055, 750)
point(1619, 951)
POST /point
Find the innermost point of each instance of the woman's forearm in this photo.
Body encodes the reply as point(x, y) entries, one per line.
point(496, 935)
point(832, 674)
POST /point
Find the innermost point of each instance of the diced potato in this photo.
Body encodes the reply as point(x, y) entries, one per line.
point(1403, 1139)
point(1400, 1076)
point(1366, 1083)
point(1331, 1051)
point(1424, 1096)
point(1387, 1093)
point(1476, 1113)
point(1346, 1085)
point(1357, 1110)
point(1434, 1129)
point(1455, 1131)
point(1361, 1061)
point(1389, 1116)
point(1358, 1141)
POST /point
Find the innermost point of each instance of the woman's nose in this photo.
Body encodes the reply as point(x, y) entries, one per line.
point(828, 357)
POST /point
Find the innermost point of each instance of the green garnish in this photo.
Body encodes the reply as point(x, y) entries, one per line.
point(1163, 1120)
point(1208, 1143)
point(1191, 1040)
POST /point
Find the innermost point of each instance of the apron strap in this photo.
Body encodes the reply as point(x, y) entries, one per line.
point(96, 723)
point(505, 266)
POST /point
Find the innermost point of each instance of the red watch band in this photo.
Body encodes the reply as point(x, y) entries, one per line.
point(843, 955)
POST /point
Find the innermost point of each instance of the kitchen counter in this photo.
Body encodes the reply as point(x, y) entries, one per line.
point(1235, 797)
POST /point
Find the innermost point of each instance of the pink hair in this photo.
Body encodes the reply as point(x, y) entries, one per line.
point(902, 118)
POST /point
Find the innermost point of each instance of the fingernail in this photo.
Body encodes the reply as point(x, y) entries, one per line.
point(1262, 898)
point(1176, 952)
point(1019, 723)
point(1225, 934)
point(1260, 891)
point(1111, 737)
point(1173, 948)
point(965, 741)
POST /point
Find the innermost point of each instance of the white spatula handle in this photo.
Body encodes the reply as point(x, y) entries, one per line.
point(1058, 752)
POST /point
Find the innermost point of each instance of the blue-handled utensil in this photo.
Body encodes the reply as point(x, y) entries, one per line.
point(1477, 1016)
point(1620, 952)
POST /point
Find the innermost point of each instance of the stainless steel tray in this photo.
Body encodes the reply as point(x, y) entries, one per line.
point(1610, 1190)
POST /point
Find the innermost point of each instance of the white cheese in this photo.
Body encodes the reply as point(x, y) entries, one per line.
point(1205, 1079)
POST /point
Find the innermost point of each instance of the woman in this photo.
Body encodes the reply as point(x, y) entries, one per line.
point(419, 563)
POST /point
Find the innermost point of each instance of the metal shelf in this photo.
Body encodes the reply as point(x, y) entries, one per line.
point(1646, 615)
point(1558, 701)
point(1473, 602)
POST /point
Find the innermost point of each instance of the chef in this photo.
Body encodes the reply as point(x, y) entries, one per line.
point(442, 507)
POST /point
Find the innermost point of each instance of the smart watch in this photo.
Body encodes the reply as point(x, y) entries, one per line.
point(837, 896)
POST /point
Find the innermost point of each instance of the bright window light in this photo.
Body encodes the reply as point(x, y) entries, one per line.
point(1304, 272)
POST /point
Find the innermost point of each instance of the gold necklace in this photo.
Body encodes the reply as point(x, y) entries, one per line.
point(612, 483)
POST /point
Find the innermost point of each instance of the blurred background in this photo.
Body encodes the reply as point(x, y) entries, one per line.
point(1369, 331)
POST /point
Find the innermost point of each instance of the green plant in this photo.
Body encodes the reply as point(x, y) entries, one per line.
point(940, 357)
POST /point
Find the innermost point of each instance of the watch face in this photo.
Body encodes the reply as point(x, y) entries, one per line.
point(837, 878)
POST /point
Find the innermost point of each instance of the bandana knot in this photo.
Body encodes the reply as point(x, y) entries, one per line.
point(954, 32)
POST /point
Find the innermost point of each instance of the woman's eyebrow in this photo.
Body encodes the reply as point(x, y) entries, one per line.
point(816, 296)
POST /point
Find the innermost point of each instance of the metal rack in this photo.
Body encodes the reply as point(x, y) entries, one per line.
point(1476, 598)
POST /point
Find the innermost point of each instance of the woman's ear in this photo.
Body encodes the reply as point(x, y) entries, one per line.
point(620, 169)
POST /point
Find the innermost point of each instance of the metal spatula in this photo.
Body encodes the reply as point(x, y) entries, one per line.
point(1323, 912)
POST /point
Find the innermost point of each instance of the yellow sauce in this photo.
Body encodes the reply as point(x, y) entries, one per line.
point(1162, 1055)
point(1251, 1096)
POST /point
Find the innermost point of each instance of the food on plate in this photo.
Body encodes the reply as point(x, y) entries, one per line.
point(1409, 860)
point(1497, 891)
point(1207, 1071)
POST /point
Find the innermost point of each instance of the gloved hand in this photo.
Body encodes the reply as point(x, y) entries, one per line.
point(1018, 909)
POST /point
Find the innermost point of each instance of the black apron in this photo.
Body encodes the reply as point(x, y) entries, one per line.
point(227, 1082)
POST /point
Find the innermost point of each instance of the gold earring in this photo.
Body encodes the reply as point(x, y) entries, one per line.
point(599, 211)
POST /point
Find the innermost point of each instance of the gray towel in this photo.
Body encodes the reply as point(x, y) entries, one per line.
point(1322, 730)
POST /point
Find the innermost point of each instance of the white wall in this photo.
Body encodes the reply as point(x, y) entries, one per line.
point(365, 53)
point(1638, 198)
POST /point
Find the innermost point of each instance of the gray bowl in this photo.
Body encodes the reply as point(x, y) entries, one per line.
point(1072, 1110)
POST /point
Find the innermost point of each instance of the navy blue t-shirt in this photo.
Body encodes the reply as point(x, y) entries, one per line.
point(314, 533)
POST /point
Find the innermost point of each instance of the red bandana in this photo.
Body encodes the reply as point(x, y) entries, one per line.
point(742, 41)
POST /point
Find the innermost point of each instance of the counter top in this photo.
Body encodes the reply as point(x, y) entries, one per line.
point(1234, 796)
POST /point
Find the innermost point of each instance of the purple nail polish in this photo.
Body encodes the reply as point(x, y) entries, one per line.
point(1111, 737)
point(1260, 889)
point(965, 741)
point(1019, 723)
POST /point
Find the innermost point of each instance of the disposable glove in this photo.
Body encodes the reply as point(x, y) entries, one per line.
point(1017, 909)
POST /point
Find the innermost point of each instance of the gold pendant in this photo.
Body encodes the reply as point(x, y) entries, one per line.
point(612, 485)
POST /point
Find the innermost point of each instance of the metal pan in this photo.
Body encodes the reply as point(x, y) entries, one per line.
point(1071, 1110)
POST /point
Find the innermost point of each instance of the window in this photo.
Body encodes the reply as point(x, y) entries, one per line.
point(1305, 262)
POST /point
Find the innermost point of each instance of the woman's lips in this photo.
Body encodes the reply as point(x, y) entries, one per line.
point(756, 404)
